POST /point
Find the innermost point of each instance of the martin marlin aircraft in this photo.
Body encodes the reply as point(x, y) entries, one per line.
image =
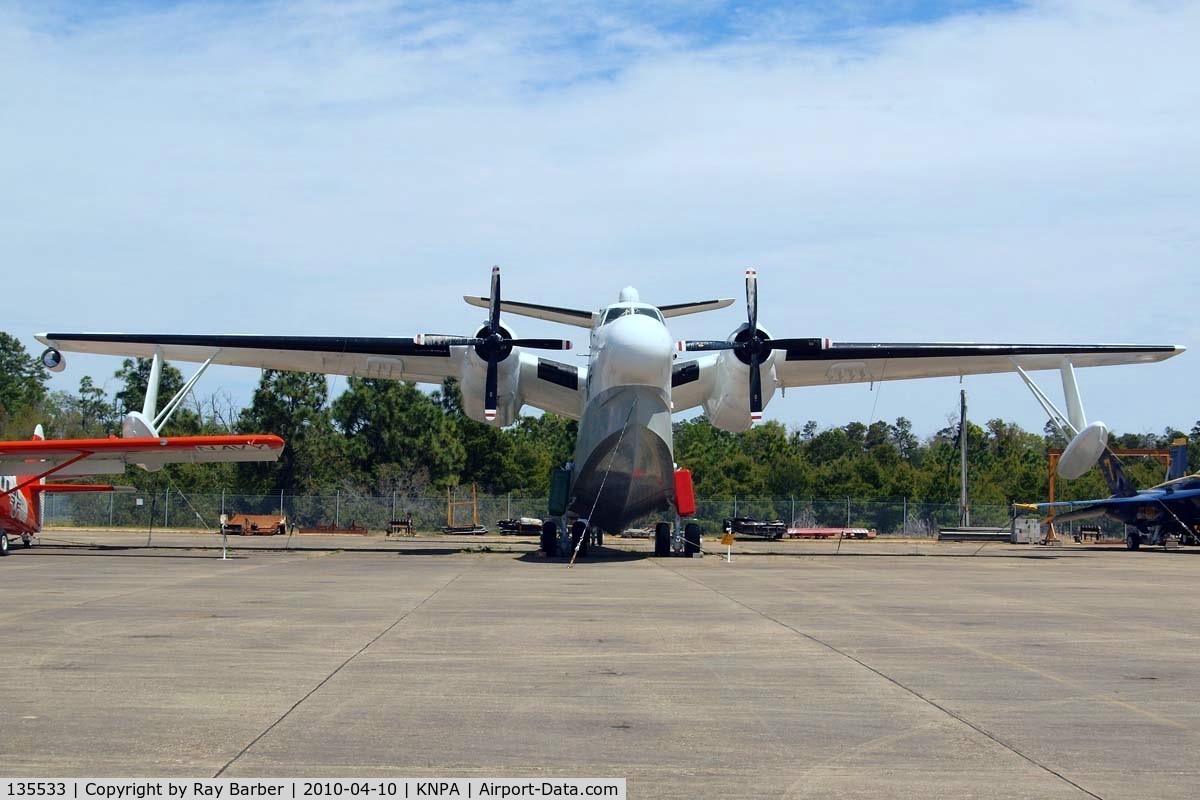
point(36, 459)
point(636, 377)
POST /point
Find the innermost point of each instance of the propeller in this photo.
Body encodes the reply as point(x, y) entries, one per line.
point(493, 345)
point(752, 346)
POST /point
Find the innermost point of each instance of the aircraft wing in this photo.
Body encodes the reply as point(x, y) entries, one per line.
point(863, 362)
point(391, 357)
point(545, 384)
point(1141, 498)
point(75, 457)
point(692, 381)
point(1086, 509)
point(552, 385)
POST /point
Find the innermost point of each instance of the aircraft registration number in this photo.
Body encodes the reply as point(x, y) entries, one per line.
point(36, 789)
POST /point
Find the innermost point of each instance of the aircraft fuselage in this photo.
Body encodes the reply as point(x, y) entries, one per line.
point(624, 462)
point(1177, 516)
point(18, 511)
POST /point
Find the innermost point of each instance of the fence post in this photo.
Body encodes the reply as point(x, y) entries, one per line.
point(337, 509)
point(110, 509)
point(847, 512)
point(904, 519)
point(792, 521)
point(735, 505)
point(166, 507)
point(222, 501)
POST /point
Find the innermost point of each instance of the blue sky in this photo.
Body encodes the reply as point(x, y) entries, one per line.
point(895, 171)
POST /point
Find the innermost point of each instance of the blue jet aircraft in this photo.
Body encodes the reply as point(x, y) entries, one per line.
point(1158, 515)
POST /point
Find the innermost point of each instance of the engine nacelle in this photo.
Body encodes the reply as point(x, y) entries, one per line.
point(53, 360)
point(728, 407)
point(474, 384)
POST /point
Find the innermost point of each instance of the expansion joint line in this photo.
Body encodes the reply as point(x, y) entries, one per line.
point(933, 703)
point(340, 667)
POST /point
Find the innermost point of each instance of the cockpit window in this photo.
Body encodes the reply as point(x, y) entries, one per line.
point(621, 311)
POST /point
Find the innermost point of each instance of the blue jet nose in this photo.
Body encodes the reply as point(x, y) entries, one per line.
point(636, 350)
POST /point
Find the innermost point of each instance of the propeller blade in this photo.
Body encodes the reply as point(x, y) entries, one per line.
point(541, 344)
point(752, 299)
point(439, 340)
point(756, 404)
point(701, 345)
point(494, 320)
point(489, 395)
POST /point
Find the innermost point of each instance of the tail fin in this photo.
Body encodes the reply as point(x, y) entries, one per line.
point(1118, 482)
point(1179, 459)
point(38, 434)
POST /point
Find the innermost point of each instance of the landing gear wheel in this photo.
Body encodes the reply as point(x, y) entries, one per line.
point(579, 538)
point(662, 539)
point(1133, 540)
point(691, 539)
point(3, 543)
point(26, 540)
point(598, 538)
point(549, 539)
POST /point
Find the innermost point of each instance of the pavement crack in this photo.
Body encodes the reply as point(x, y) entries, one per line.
point(342, 666)
point(894, 681)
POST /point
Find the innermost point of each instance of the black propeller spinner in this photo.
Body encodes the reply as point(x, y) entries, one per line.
point(751, 345)
point(493, 345)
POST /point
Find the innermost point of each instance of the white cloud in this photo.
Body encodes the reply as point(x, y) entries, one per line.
point(1025, 175)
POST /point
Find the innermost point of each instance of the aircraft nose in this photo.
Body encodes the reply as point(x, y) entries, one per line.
point(639, 350)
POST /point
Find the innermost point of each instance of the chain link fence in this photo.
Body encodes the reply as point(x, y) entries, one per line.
point(173, 509)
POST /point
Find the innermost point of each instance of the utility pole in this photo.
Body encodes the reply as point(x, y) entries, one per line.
point(964, 508)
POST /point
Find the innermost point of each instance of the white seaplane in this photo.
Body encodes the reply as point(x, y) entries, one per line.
point(635, 379)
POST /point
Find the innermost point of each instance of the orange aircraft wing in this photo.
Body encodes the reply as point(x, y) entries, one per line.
point(76, 457)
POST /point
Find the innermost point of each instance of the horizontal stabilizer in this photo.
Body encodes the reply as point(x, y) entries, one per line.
point(679, 309)
point(566, 316)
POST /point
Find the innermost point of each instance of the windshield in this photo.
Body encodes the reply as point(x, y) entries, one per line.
point(622, 311)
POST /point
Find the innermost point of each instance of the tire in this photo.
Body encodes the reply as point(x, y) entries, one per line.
point(549, 539)
point(691, 539)
point(662, 539)
point(1133, 541)
point(598, 538)
point(3, 543)
point(26, 540)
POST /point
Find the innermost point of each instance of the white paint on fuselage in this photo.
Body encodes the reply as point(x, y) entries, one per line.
point(630, 346)
point(623, 454)
point(14, 505)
